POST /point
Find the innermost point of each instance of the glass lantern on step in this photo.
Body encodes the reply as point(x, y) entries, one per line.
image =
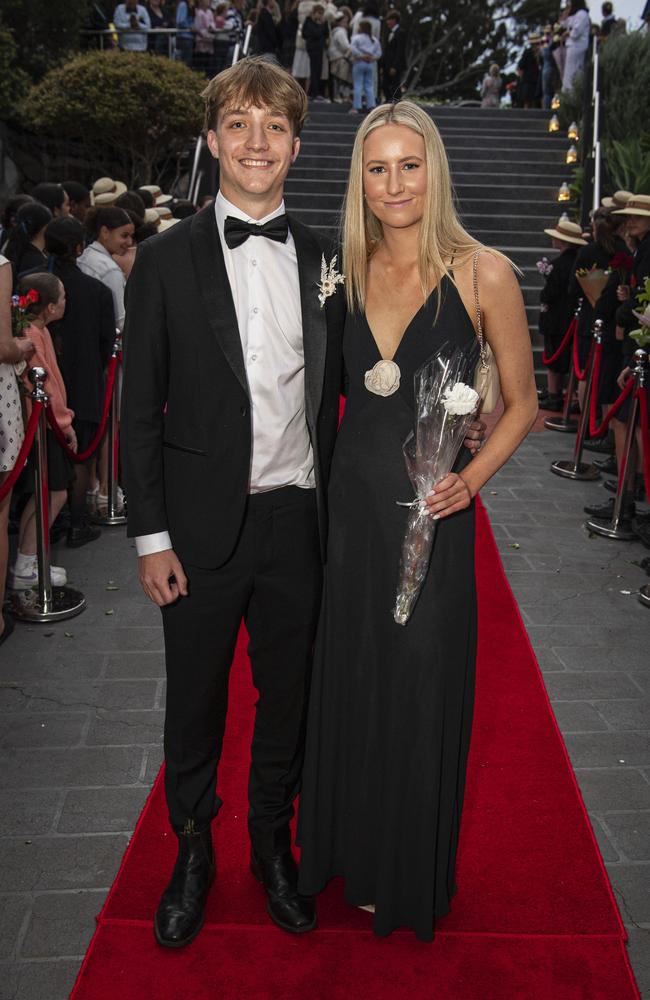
point(554, 124)
point(573, 132)
point(555, 103)
point(564, 194)
point(572, 154)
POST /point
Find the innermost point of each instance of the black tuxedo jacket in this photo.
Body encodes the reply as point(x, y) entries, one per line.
point(395, 54)
point(186, 422)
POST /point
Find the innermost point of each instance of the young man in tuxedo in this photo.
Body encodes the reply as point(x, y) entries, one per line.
point(231, 389)
point(393, 63)
point(230, 408)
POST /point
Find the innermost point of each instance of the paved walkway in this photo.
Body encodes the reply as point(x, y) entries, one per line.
point(81, 718)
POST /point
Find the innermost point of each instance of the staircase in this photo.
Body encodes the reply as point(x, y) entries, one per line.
point(506, 169)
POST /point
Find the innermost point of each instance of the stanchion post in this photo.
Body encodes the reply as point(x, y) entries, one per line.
point(113, 514)
point(644, 595)
point(565, 424)
point(577, 469)
point(46, 603)
point(620, 528)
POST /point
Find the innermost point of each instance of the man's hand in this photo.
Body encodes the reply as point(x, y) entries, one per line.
point(162, 577)
point(475, 436)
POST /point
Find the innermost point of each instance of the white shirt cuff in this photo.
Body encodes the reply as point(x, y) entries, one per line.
point(158, 541)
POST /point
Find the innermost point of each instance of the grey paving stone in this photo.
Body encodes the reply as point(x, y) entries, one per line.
point(37, 980)
point(589, 657)
point(631, 884)
point(28, 812)
point(642, 680)
point(609, 789)
point(134, 665)
point(61, 862)
point(26, 664)
point(75, 768)
point(569, 686)
point(101, 810)
point(638, 948)
point(547, 660)
point(609, 749)
point(607, 849)
point(119, 728)
point(13, 910)
point(608, 636)
point(627, 714)
point(12, 698)
point(630, 831)
point(154, 763)
point(578, 717)
point(56, 697)
point(99, 640)
point(41, 730)
point(61, 925)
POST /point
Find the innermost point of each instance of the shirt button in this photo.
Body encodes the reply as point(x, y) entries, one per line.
point(255, 310)
point(253, 357)
point(254, 263)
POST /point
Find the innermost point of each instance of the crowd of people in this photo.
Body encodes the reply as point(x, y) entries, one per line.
point(601, 275)
point(65, 255)
point(335, 51)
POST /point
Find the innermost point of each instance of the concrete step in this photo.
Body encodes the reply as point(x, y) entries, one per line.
point(524, 146)
point(324, 156)
point(330, 212)
point(504, 132)
point(460, 175)
point(493, 118)
point(506, 189)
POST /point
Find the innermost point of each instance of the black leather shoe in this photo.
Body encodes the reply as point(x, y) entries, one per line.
point(602, 446)
point(607, 465)
point(181, 910)
point(605, 511)
point(81, 534)
point(639, 492)
point(279, 876)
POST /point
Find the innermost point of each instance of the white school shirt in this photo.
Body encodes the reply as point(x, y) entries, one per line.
point(98, 263)
point(263, 277)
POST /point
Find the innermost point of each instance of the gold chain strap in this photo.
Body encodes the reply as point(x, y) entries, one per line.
point(479, 319)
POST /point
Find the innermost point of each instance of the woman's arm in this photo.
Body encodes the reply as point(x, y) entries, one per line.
point(12, 349)
point(506, 330)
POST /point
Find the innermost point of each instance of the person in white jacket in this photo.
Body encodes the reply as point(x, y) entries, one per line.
point(132, 18)
point(339, 55)
point(578, 26)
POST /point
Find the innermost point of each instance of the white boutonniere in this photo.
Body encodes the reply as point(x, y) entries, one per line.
point(329, 279)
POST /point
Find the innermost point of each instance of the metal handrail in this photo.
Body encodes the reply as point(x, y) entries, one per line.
point(595, 101)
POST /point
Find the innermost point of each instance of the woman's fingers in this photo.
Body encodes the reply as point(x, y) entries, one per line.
point(449, 495)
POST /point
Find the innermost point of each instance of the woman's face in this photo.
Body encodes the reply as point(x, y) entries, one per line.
point(395, 175)
point(638, 226)
point(57, 310)
point(64, 207)
point(117, 241)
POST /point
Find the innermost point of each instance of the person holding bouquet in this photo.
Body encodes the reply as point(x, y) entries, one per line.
point(391, 705)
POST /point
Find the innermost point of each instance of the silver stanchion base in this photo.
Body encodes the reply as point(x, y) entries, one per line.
point(106, 520)
point(623, 531)
point(66, 603)
point(569, 470)
point(560, 424)
point(644, 595)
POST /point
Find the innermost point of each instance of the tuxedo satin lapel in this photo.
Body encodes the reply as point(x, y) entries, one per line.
point(314, 324)
point(210, 267)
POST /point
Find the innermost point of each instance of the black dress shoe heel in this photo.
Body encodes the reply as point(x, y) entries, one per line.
point(181, 911)
point(286, 908)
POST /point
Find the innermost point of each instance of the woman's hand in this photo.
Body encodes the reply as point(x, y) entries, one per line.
point(624, 378)
point(451, 494)
point(71, 438)
point(475, 436)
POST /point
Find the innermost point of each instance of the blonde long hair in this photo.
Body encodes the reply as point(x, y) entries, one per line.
point(441, 238)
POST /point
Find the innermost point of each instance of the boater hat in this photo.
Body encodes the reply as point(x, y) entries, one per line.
point(151, 215)
point(638, 204)
point(569, 232)
point(105, 191)
point(158, 197)
point(618, 200)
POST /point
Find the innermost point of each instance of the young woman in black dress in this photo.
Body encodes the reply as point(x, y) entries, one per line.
point(391, 706)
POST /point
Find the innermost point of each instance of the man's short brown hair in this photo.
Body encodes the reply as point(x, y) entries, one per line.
point(256, 82)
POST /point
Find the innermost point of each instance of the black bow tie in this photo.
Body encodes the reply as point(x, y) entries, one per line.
point(236, 231)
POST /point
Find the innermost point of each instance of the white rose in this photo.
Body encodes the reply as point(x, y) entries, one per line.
point(460, 399)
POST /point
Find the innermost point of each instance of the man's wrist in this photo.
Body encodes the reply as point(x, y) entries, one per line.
point(157, 541)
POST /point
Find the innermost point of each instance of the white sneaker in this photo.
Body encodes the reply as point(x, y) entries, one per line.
point(102, 502)
point(28, 580)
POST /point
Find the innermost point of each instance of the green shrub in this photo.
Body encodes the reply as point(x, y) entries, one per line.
point(131, 108)
point(13, 80)
point(625, 85)
point(628, 164)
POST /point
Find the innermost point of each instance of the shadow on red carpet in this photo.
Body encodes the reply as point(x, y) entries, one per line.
point(534, 917)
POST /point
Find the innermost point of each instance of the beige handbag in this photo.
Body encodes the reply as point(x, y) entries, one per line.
point(486, 378)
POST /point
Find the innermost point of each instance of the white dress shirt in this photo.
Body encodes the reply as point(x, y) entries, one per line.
point(98, 263)
point(132, 41)
point(263, 277)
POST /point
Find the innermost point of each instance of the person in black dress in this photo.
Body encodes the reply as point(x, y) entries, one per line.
point(558, 301)
point(390, 711)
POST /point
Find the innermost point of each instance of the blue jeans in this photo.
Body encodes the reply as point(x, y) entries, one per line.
point(362, 78)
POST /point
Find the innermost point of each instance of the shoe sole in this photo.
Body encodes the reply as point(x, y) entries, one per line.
point(278, 923)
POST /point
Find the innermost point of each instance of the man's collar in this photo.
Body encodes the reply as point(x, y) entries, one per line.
point(224, 208)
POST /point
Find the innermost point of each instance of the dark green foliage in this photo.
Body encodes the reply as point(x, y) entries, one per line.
point(45, 31)
point(628, 164)
point(13, 80)
point(133, 109)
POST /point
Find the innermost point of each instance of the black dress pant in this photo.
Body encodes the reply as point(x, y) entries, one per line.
point(273, 581)
point(316, 71)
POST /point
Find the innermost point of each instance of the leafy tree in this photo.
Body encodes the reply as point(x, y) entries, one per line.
point(451, 43)
point(13, 80)
point(132, 109)
point(45, 32)
point(530, 15)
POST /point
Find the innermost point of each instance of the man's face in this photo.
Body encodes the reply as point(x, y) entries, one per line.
point(255, 147)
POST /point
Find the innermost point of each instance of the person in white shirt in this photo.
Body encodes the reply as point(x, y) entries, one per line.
point(576, 43)
point(111, 232)
point(365, 51)
point(133, 19)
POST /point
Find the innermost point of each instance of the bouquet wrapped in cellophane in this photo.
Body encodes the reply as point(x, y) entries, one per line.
point(592, 282)
point(445, 404)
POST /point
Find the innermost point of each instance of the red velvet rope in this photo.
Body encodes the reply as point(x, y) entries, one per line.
point(571, 331)
point(642, 396)
point(92, 447)
point(23, 454)
point(596, 429)
point(580, 375)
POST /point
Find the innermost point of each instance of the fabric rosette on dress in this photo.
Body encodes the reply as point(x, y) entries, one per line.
point(444, 408)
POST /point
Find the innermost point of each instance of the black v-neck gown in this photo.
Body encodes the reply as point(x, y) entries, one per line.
point(391, 706)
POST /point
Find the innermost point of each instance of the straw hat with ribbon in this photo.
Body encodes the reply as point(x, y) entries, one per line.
point(163, 211)
point(638, 204)
point(618, 200)
point(535, 39)
point(158, 197)
point(568, 232)
point(151, 215)
point(105, 191)
point(167, 224)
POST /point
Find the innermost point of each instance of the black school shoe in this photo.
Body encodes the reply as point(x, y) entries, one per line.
point(605, 511)
point(639, 488)
point(181, 910)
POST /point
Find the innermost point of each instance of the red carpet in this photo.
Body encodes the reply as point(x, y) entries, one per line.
point(534, 917)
